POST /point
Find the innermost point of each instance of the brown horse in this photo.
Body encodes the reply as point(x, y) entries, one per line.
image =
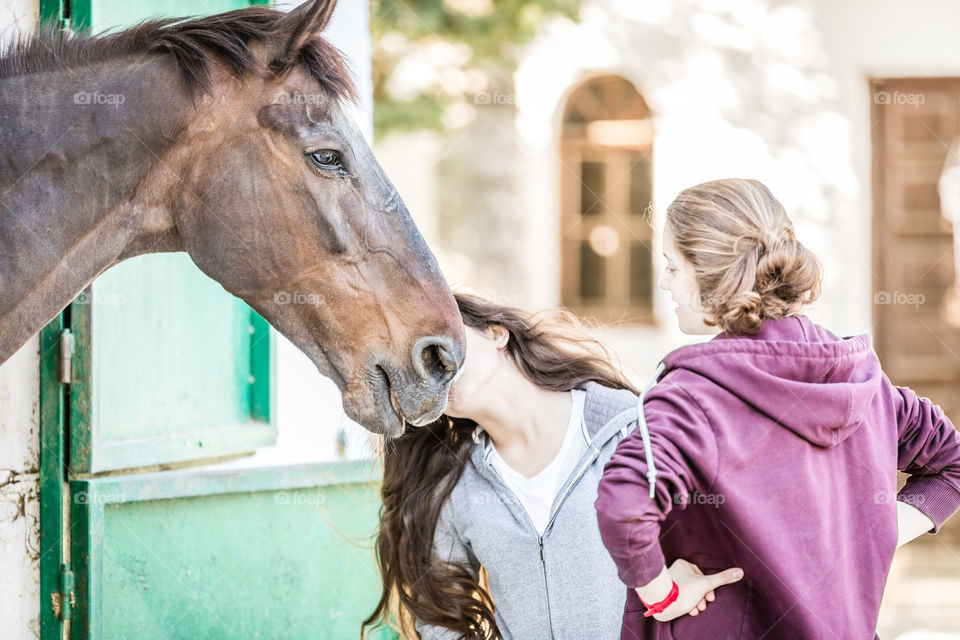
point(225, 137)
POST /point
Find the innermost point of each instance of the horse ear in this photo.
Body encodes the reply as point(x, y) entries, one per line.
point(299, 26)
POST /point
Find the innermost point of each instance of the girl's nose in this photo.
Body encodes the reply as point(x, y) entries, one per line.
point(662, 281)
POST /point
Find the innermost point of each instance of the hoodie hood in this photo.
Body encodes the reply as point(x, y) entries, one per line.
point(794, 372)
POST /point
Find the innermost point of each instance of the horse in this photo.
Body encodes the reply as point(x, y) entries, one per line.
point(226, 137)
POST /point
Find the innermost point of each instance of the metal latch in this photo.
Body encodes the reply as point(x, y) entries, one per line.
point(66, 356)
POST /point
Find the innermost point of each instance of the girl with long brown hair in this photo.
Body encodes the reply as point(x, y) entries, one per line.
point(506, 480)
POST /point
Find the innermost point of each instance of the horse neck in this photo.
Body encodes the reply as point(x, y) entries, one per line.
point(75, 148)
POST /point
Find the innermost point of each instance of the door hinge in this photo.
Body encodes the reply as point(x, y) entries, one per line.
point(64, 600)
point(66, 356)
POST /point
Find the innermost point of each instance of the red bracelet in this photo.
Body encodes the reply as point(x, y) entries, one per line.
point(653, 609)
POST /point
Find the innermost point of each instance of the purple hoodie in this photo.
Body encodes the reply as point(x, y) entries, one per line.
point(776, 453)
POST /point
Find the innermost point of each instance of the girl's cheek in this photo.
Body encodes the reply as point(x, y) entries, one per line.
point(690, 293)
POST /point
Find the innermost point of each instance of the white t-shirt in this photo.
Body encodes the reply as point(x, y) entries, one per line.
point(537, 494)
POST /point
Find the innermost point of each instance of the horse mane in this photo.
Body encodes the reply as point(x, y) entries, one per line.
point(192, 43)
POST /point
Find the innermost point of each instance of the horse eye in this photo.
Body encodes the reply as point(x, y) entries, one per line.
point(327, 159)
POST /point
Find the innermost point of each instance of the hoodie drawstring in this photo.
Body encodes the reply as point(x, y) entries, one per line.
point(645, 432)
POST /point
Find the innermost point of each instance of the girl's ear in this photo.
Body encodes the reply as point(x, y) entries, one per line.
point(500, 335)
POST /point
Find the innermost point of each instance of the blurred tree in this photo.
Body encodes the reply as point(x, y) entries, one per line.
point(433, 60)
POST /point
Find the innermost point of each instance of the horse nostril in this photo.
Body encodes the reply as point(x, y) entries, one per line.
point(435, 359)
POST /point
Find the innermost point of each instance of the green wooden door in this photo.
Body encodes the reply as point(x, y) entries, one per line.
point(167, 371)
point(280, 553)
point(168, 368)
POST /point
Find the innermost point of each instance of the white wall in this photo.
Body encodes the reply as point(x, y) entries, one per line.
point(771, 90)
point(19, 446)
point(19, 500)
point(17, 16)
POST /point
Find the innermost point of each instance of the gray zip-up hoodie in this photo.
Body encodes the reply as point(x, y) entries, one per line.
point(563, 585)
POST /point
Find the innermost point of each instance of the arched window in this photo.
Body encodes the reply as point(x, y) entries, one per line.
point(606, 164)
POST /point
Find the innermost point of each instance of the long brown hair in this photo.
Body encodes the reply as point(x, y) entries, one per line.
point(421, 468)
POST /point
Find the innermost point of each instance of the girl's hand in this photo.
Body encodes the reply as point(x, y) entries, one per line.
point(695, 589)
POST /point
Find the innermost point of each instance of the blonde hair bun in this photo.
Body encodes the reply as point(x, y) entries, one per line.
point(747, 261)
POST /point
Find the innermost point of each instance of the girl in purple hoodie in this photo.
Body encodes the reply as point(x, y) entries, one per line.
point(773, 447)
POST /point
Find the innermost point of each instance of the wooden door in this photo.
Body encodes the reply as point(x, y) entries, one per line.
point(915, 121)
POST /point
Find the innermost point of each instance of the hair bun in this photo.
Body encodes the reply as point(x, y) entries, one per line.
point(771, 240)
point(744, 313)
point(788, 276)
point(748, 264)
